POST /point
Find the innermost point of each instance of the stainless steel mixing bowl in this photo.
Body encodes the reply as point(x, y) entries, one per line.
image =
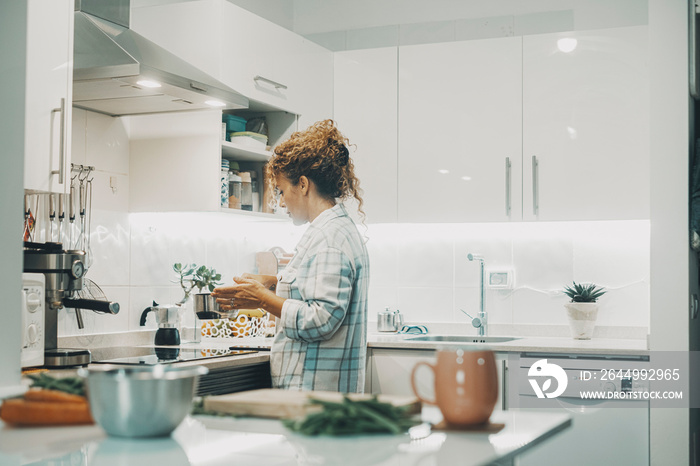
point(138, 401)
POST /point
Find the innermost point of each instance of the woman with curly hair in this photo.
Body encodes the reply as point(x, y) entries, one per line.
point(320, 298)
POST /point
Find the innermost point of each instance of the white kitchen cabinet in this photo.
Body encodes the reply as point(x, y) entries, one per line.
point(49, 86)
point(459, 110)
point(272, 66)
point(586, 121)
point(390, 373)
point(365, 99)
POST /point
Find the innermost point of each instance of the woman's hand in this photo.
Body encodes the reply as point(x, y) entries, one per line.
point(268, 281)
point(248, 293)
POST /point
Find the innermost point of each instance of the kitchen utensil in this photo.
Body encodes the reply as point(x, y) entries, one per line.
point(92, 296)
point(52, 214)
point(168, 319)
point(389, 321)
point(138, 401)
point(466, 385)
point(283, 404)
point(206, 307)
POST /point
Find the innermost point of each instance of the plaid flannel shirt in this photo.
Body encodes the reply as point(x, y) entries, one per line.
point(321, 343)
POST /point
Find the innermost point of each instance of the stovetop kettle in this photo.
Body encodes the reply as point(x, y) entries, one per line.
point(168, 319)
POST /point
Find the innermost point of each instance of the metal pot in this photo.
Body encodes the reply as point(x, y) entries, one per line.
point(206, 308)
point(389, 321)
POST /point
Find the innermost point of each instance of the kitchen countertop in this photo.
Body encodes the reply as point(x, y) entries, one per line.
point(213, 441)
point(520, 344)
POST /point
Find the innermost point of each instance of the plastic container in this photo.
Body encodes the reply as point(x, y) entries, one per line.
point(224, 187)
point(249, 139)
point(246, 191)
point(234, 191)
point(234, 123)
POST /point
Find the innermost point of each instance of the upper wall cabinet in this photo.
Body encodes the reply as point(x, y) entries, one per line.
point(48, 95)
point(586, 125)
point(274, 67)
point(365, 110)
point(459, 138)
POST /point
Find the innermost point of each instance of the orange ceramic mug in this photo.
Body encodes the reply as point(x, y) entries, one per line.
point(466, 385)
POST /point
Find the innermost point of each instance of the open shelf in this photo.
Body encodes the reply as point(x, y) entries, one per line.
point(259, 215)
point(243, 154)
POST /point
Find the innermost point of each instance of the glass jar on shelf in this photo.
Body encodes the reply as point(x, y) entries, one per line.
point(234, 186)
point(246, 191)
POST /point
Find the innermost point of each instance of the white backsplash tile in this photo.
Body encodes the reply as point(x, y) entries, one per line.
point(425, 257)
point(379, 298)
point(142, 297)
point(542, 256)
point(499, 305)
point(109, 245)
point(535, 307)
point(107, 144)
point(110, 191)
point(426, 304)
point(612, 254)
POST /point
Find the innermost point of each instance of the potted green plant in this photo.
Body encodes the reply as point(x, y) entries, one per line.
point(582, 310)
point(190, 276)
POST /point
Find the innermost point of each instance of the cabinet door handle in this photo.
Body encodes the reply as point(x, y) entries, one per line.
point(535, 185)
point(270, 81)
point(504, 384)
point(62, 142)
point(508, 187)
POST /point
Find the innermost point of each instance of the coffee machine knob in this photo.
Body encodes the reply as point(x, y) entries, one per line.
point(32, 334)
point(33, 302)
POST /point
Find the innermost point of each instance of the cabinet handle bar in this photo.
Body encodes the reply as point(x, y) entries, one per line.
point(535, 186)
point(270, 81)
point(508, 187)
point(62, 142)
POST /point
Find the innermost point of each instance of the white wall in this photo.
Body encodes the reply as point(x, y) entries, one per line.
point(343, 25)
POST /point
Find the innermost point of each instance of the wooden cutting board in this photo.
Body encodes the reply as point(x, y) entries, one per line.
point(283, 404)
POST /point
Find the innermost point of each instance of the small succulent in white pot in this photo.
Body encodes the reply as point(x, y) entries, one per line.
point(583, 308)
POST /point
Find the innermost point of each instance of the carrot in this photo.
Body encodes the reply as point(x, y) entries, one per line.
point(42, 394)
point(21, 412)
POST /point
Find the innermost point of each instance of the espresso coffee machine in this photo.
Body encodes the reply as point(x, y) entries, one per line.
point(63, 271)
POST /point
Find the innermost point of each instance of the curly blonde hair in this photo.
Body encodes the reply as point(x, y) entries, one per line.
point(321, 154)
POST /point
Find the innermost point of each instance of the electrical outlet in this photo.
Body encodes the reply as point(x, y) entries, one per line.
point(500, 279)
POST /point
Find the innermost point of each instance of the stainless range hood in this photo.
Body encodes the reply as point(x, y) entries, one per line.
point(119, 72)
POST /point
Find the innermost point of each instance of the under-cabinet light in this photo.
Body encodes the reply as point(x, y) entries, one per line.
point(147, 83)
point(215, 103)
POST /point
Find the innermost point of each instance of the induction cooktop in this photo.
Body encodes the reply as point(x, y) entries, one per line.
point(150, 356)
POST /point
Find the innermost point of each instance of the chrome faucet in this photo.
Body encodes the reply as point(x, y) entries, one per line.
point(481, 320)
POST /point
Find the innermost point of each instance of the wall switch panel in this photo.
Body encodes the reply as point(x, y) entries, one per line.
point(499, 279)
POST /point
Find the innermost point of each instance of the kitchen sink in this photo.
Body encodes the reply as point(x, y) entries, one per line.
point(462, 339)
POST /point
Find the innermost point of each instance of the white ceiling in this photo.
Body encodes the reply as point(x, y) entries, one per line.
point(318, 16)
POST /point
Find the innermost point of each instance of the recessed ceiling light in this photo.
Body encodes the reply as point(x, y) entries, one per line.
point(147, 83)
point(567, 44)
point(443, 172)
point(215, 103)
point(467, 178)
